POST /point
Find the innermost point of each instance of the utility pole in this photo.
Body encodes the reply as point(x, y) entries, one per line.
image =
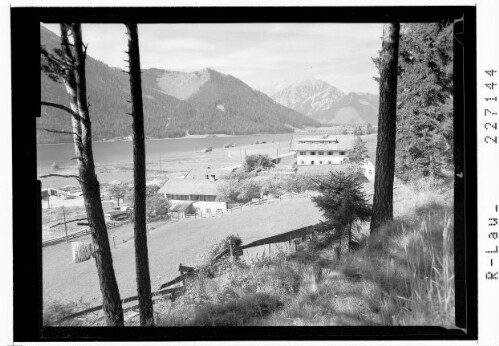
point(65, 225)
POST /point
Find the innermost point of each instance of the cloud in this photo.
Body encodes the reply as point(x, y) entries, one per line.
point(258, 54)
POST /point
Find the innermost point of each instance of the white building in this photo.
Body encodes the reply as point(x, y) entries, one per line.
point(368, 168)
point(322, 150)
point(201, 192)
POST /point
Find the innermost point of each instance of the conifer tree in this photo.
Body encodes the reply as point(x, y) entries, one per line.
point(69, 65)
point(139, 180)
point(343, 201)
point(359, 151)
point(424, 101)
point(385, 148)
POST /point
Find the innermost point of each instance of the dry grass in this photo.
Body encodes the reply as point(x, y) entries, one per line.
point(403, 275)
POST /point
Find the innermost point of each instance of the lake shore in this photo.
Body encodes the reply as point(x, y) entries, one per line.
point(167, 164)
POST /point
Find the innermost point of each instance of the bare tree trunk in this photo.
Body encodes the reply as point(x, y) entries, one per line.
point(349, 237)
point(75, 83)
point(139, 181)
point(385, 150)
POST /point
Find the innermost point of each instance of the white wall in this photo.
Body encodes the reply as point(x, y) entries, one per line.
point(203, 205)
point(307, 159)
point(368, 170)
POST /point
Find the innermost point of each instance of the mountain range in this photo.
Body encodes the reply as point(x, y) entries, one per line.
point(327, 104)
point(175, 103)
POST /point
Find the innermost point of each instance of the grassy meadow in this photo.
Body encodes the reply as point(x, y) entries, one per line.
point(402, 275)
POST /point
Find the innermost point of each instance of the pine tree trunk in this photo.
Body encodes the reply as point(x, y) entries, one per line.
point(75, 83)
point(349, 237)
point(139, 181)
point(385, 150)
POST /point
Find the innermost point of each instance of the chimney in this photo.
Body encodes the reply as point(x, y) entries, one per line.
point(212, 177)
point(207, 176)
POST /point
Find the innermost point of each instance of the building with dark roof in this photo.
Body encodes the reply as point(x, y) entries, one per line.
point(322, 150)
point(201, 191)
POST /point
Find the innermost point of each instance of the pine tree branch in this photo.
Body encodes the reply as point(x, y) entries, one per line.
point(60, 131)
point(59, 106)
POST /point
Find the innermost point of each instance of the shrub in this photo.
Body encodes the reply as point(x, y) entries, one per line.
point(359, 150)
point(257, 161)
point(208, 259)
point(54, 166)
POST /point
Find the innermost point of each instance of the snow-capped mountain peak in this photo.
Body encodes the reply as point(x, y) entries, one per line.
point(307, 96)
point(326, 103)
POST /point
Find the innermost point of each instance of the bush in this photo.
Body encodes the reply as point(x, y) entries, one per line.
point(257, 161)
point(300, 183)
point(208, 261)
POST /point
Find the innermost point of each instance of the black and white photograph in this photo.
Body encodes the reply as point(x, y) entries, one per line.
point(253, 173)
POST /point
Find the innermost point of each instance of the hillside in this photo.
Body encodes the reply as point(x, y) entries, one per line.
point(226, 104)
point(326, 103)
point(175, 103)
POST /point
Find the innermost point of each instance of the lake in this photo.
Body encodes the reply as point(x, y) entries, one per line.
point(121, 151)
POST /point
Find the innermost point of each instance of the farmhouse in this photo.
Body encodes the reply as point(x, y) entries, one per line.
point(322, 150)
point(368, 168)
point(200, 191)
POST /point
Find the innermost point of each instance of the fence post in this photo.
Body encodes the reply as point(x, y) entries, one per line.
point(183, 280)
point(270, 254)
point(114, 243)
point(231, 252)
point(65, 225)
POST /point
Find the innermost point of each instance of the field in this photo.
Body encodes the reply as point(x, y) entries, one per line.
point(172, 163)
point(169, 245)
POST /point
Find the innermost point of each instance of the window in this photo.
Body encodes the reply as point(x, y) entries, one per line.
point(330, 153)
point(208, 210)
point(303, 153)
point(320, 162)
point(302, 162)
point(312, 153)
point(370, 171)
point(329, 162)
point(311, 162)
point(342, 153)
point(321, 153)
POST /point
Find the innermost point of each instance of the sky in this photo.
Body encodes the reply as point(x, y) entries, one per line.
point(261, 55)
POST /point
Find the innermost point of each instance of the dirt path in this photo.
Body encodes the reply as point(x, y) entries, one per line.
point(169, 245)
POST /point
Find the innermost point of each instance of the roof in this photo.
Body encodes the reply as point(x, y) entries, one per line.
point(190, 186)
point(323, 142)
point(181, 207)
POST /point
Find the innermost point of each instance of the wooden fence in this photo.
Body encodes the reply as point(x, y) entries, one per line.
point(62, 238)
point(186, 272)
